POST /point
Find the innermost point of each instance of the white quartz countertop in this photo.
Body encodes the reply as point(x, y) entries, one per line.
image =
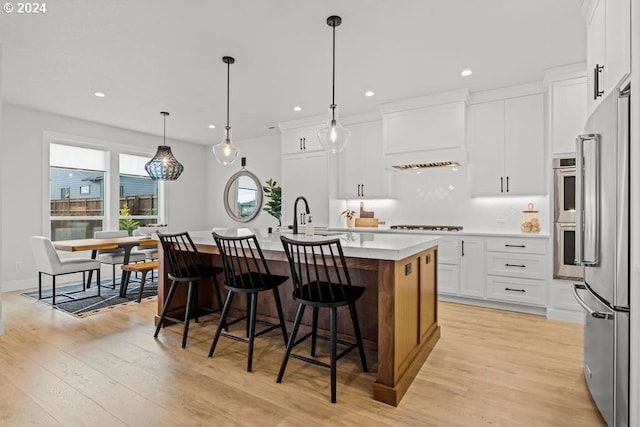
point(387, 246)
point(384, 229)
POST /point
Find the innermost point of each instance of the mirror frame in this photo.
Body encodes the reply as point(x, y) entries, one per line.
point(227, 188)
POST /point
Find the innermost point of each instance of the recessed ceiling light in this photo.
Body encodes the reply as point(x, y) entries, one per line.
point(212, 126)
point(297, 108)
point(99, 94)
point(369, 93)
point(466, 73)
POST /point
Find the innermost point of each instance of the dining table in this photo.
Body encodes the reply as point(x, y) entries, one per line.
point(93, 245)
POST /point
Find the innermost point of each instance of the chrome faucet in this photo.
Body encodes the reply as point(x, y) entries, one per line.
point(295, 212)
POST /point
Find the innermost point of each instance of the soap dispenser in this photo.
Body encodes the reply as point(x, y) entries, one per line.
point(310, 227)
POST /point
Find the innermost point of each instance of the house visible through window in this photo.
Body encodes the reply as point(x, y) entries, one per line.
point(76, 178)
point(138, 193)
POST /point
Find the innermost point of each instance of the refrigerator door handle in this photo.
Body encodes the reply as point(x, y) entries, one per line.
point(587, 199)
point(592, 313)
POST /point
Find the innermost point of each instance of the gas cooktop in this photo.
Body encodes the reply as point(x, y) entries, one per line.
point(427, 227)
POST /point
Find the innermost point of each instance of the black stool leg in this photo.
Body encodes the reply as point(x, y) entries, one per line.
point(187, 312)
point(84, 283)
point(314, 331)
point(292, 339)
point(53, 298)
point(39, 284)
point(248, 311)
point(172, 290)
point(356, 329)
point(216, 292)
point(113, 275)
point(252, 328)
point(144, 277)
point(283, 326)
point(333, 314)
point(97, 280)
point(195, 301)
point(222, 323)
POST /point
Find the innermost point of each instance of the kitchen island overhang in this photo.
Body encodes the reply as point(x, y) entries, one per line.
point(398, 311)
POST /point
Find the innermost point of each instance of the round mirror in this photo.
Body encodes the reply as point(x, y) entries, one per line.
point(243, 196)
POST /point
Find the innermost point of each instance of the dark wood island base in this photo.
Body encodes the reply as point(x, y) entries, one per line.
point(398, 310)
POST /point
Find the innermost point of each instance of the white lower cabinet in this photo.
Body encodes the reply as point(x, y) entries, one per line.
point(516, 270)
point(448, 271)
point(493, 269)
point(472, 272)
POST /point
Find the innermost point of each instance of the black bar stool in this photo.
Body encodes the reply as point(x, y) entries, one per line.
point(246, 271)
point(186, 265)
point(321, 280)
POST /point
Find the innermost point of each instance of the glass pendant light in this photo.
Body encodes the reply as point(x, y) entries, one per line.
point(164, 166)
point(225, 152)
point(334, 137)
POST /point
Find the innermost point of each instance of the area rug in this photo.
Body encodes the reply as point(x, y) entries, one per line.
point(91, 303)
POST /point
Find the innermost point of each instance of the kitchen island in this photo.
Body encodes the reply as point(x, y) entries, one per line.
point(398, 310)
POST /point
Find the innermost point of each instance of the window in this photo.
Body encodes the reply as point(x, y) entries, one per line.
point(76, 181)
point(138, 193)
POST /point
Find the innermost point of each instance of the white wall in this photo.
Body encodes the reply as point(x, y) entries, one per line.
point(1, 145)
point(263, 160)
point(442, 196)
point(22, 181)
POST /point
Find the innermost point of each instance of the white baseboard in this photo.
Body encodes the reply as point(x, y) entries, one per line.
point(19, 285)
point(493, 304)
point(565, 315)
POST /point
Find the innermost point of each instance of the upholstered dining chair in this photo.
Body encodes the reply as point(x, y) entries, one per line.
point(48, 262)
point(321, 280)
point(115, 257)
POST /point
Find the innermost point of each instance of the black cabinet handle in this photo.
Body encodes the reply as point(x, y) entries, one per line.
point(596, 81)
point(300, 143)
point(303, 218)
point(514, 246)
point(362, 190)
point(463, 248)
point(501, 184)
point(304, 143)
point(507, 184)
point(515, 290)
point(515, 265)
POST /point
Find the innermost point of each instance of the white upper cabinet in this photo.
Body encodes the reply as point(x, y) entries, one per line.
point(305, 175)
point(506, 141)
point(568, 95)
point(361, 172)
point(435, 122)
point(608, 46)
point(301, 140)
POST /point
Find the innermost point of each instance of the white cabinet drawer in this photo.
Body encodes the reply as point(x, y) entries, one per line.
point(516, 265)
point(448, 279)
point(520, 245)
point(448, 250)
point(523, 291)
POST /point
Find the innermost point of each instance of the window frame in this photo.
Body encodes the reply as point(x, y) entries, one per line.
point(111, 209)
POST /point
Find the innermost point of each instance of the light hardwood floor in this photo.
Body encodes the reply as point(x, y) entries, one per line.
point(490, 367)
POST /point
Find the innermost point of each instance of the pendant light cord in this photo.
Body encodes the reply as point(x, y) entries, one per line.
point(228, 73)
point(333, 82)
point(164, 134)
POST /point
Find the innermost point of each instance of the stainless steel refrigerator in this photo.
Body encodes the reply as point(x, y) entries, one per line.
point(602, 246)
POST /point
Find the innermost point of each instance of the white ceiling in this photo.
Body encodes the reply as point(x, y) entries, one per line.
point(165, 55)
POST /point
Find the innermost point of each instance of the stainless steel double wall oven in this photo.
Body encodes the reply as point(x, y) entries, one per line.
point(564, 262)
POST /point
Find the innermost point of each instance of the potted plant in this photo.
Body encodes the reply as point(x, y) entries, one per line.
point(127, 223)
point(273, 192)
point(351, 217)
